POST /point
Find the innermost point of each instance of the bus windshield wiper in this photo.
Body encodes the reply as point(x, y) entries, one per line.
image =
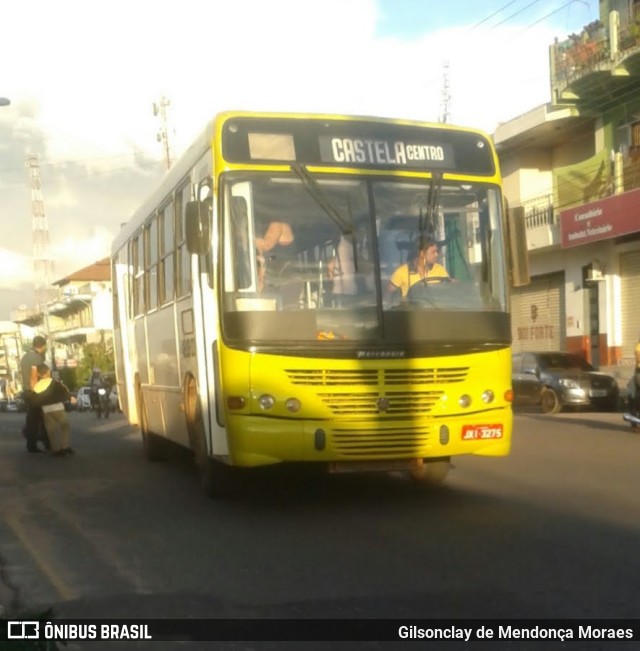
point(314, 189)
point(427, 219)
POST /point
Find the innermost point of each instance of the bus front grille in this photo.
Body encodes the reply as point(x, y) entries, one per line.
point(376, 377)
point(325, 378)
point(391, 403)
point(425, 375)
point(407, 441)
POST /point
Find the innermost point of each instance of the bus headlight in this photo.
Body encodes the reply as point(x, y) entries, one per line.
point(293, 405)
point(266, 401)
point(464, 400)
point(487, 396)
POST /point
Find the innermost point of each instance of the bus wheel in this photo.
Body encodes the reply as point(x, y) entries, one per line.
point(216, 478)
point(549, 401)
point(432, 472)
point(154, 446)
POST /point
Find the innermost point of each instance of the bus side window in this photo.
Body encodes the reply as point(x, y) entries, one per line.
point(167, 239)
point(182, 280)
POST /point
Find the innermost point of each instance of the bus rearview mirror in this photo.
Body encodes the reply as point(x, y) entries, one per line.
point(518, 251)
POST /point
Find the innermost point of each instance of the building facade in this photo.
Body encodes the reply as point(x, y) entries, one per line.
point(14, 341)
point(574, 165)
point(81, 314)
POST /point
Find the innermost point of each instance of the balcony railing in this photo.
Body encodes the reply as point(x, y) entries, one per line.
point(575, 58)
point(594, 49)
point(539, 211)
point(631, 172)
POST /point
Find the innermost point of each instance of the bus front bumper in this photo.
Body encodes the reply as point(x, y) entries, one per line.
point(258, 440)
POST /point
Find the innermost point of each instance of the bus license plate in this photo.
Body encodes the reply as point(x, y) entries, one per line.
point(481, 432)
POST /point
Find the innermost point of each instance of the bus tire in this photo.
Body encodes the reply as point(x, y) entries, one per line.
point(549, 401)
point(216, 479)
point(432, 472)
point(153, 446)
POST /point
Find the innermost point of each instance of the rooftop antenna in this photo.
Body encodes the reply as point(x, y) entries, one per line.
point(160, 110)
point(445, 101)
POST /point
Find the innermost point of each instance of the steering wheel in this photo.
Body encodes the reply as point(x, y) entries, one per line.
point(434, 279)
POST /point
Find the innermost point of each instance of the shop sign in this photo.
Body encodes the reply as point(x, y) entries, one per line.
point(601, 220)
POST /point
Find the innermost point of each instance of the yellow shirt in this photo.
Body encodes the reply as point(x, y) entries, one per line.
point(403, 277)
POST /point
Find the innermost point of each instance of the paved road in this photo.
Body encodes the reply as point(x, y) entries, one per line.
point(551, 531)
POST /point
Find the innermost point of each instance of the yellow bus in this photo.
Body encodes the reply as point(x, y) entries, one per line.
point(321, 289)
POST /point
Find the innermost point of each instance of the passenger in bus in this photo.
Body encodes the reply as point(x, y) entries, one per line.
point(277, 250)
point(341, 269)
point(422, 267)
point(278, 234)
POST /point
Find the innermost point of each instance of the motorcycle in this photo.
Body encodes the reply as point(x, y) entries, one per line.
point(100, 399)
point(632, 419)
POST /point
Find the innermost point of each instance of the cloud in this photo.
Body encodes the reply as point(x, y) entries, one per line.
point(17, 269)
point(83, 89)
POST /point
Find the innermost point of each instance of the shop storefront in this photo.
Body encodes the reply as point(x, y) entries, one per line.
point(630, 303)
point(538, 314)
point(614, 219)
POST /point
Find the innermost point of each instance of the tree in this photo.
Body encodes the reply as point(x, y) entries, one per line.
point(69, 378)
point(96, 355)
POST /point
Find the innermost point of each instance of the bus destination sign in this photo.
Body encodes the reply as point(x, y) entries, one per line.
point(385, 152)
point(373, 144)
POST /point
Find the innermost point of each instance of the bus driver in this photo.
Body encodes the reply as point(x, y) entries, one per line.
point(421, 267)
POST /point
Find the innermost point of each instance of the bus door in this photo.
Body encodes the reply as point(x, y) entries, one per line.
point(206, 324)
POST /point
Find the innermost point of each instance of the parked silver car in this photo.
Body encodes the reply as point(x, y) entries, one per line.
point(554, 380)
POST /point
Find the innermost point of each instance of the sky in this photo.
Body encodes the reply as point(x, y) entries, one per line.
point(82, 78)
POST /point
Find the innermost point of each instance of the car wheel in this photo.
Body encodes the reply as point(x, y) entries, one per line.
point(549, 401)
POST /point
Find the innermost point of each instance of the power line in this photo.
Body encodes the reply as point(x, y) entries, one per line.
point(516, 14)
point(495, 13)
point(566, 4)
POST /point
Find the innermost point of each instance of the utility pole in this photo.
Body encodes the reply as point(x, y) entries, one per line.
point(42, 262)
point(160, 110)
point(445, 115)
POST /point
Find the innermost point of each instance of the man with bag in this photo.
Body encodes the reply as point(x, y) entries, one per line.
point(34, 429)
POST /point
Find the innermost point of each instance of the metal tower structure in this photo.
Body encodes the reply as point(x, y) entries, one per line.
point(42, 262)
point(160, 109)
point(445, 101)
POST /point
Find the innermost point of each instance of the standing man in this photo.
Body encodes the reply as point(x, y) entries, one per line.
point(34, 424)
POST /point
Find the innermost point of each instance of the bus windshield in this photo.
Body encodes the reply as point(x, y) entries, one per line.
point(318, 258)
